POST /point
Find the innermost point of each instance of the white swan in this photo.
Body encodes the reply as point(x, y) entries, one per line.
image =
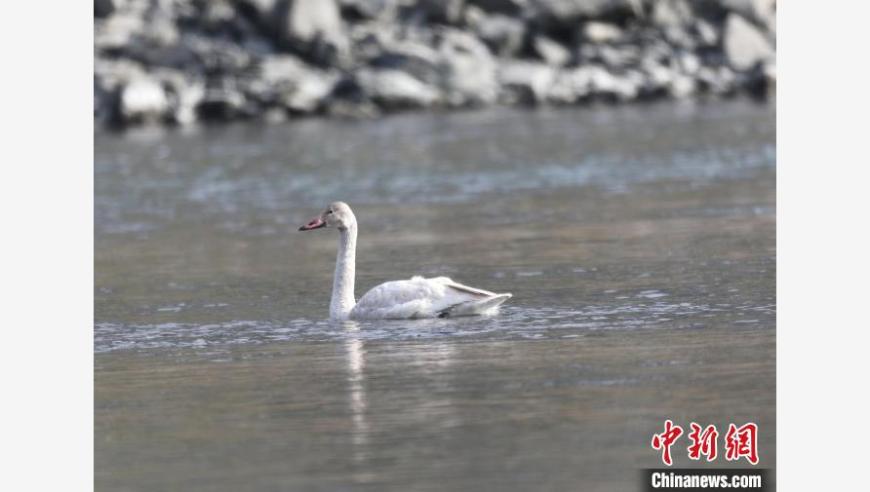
point(419, 297)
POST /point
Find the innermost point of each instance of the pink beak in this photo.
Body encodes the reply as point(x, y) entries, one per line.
point(315, 223)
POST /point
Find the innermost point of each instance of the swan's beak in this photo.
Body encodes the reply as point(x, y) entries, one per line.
point(315, 223)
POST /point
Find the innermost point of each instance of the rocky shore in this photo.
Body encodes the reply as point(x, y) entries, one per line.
point(183, 61)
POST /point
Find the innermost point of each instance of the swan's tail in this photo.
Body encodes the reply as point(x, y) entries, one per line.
point(475, 307)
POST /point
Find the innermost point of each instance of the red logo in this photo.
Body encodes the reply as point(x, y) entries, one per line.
point(666, 439)
point(703, 442)
point(742, 442)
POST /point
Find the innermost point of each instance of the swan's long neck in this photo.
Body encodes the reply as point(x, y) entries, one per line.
point(345, 270)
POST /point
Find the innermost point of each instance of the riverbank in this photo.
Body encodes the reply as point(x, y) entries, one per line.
point(183, 61)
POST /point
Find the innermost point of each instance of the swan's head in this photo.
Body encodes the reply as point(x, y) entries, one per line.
point(337, 214)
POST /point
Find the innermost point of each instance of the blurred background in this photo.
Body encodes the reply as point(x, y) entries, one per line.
point(182, 61)
point(610, 163)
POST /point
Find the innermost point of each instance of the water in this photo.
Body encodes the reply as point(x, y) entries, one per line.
point(639, 244)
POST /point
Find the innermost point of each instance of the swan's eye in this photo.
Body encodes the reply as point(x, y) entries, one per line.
point(328, 212)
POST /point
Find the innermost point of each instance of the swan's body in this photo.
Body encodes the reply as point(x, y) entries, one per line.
point(418, 297)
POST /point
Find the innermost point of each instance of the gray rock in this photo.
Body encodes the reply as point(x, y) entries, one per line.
point(605, 83)
point(394, 89)
point(294, 85)
point(716, 80)
point(502, 33)
point(382, 10)
point(438, 11)
point(745, 46)
point(265, 11)
point(601, 32)
point(525, 82)
point(105, 8)
point(550, 51)
point(569, 11)
point(281, 69)
point(468, 70)
point(311, 92)
point(314, 28)
point(614, 56)
point(760, 12)
point(689, 62)
point(184, 94)
point(681, 86)
point(117, 31)
point(114, 74)
point(223, 102)
point(412, 57)
point(507, 7)
point(567, 89)
point(143, 100)
point(707, 34)
point(571, 86)
point(671, 13)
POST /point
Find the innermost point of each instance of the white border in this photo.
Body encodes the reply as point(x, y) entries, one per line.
point(47, 211)
point(822, 225)
point(822, 195)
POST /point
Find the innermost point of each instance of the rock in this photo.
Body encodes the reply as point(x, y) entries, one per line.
point(114, 74)
point(658, 76)
point(468, 70)
point(294, 85)
point(745, 46)
point(105, 8)
point(412, 57)
point(280, 69)
point(264, 12)
point(689, 62)
point(571, 86)
point(610, 55)
point(184, 95)
point(143, 100)
point(117, 31)
point(383, 10)
point(314, 29)
point(550, 51)
point(716, 80)
point(222, 102)
point(525, 82)
point(568, 12)
point(311, 92)
point(393, 89)
point(671, 13)
point(212, 56)
point(506, 7)
point(589, 81)
point(601, 32)
point(182, 60)
point(706, 34)
point(760, 12)
point(503, 34)
point(681, 86)
point(437, 11)
point(604, 83)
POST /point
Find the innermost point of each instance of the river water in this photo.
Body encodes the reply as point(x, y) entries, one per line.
point(639, 244)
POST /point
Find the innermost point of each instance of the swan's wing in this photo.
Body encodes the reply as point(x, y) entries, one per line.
point(416, 298)
point(464, 288)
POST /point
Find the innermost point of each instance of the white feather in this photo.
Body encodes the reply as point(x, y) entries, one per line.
point(424, 298)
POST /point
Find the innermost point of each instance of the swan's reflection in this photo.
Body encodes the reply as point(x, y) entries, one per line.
point(355, 354)
point(427, 382)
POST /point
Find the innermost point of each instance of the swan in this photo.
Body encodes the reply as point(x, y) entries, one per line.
point(419, 297)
